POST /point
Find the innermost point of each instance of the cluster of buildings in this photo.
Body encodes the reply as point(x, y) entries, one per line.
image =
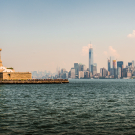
point(80, 71)
point(43, 75)
point(115, 70)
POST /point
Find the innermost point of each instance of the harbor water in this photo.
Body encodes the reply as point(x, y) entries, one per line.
point(85, 106)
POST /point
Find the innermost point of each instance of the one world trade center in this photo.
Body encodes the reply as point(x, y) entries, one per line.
point(90, 59)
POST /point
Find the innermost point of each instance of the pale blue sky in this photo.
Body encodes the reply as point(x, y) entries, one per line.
point(44, 34)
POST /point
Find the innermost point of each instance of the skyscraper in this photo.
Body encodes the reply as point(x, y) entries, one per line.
point(133, 63)
point(109, 65)
point(90, 59)
point(103, 72)
point(76, 67)
point(94, 68)
point(63, 70)
point(130, 64)
point(119, 72)
point(72, 73)
point(114, 68)
point(114, 63)
point(83, 68)
point(120, 64)
point(81, 74)
point(110, 62)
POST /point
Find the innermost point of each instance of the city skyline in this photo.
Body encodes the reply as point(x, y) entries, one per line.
point(115, 70)
point(41, 35)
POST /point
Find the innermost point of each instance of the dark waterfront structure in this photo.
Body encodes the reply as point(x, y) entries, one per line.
point(120, 64)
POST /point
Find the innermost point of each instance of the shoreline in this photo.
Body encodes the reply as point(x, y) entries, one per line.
point(35, 81)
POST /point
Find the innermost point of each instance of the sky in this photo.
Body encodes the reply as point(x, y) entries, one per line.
point(46, 34)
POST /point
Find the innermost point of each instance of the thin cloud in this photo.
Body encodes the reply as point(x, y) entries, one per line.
point(64, 63)
point(85, 50)
point(105, 53)
point(131, 35)
point(111, 52)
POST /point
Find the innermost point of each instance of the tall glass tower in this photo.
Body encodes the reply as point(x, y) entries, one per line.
point(91, 59)
point(109, 65)
point(120, 64)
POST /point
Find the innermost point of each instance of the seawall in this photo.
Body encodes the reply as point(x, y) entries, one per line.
point(35, 81)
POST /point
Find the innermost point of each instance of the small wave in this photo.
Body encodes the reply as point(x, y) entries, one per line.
point(85, 115)
point(111, 100)
point(65, 122)
point(46, 126)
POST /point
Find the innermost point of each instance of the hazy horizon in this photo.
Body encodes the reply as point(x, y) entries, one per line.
point(46, 34)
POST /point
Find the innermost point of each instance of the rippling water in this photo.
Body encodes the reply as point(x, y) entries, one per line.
point(80, 107)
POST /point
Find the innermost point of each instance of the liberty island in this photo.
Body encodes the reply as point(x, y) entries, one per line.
point(9, 76)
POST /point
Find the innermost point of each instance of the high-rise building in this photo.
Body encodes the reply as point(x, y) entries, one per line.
point(103, 72)
point(110, 62)
point(114, 63)
point(63, 70)
point(76, 67)
point(86, 74)
point(120, 64)
point(79, 67)
point(126, 72)
point(94, 68)
point(90, 59)
point(83, 68)
point(129, 74)
point(119, 72)
point(81, 74)
point(95, 64)
point(115, 68)
point(130, 64)
point(72, 73)
point(111, 71)
point(133, 63)
point(90, 75)
point(69, 74)
point(64, 75)
point(109, 65)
